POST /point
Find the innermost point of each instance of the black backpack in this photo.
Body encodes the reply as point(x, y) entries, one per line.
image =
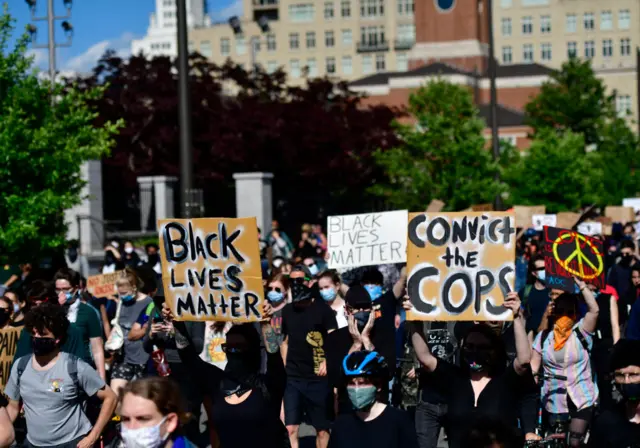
point(72, 370)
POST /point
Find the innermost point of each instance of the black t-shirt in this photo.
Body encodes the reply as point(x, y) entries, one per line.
point(535, 304)
point(612, 430)
point(498, 400)
point(383, 335)
point(442, 342)
point(391, 429)
point(307, 330)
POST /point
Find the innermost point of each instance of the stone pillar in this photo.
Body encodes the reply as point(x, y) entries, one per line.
point(156, 192)
point(145, 184)
point(254, 198)
point(85, 221)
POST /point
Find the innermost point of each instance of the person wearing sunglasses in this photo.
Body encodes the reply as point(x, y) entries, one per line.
point(371, 423)
point(278, 296)
point(535, 295)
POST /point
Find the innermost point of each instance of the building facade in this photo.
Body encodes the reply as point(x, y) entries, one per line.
point(161, 37)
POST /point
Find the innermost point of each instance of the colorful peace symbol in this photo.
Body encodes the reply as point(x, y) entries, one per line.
point(582, 259)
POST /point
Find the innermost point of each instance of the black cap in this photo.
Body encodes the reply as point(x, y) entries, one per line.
point(625, 353)
point(358, 297)
point(304, 269)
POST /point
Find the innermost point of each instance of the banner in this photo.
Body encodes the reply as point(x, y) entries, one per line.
point(461, 265)
point(620, 214)
point(8, 344)
point(367, 239)
point(104, 285)
point(211, 268)
point(539, 221)
point(567, 254)
point(524, 214)
point(590, 228)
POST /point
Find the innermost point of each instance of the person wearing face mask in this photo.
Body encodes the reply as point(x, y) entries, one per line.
point(82, 316)
point(619, 427)
point(330, 287)
point(535, 295)
point(18, 307)
point(563, 350)
point(112, 260)
point(620, 273)
point(75, 260)
point(6, 308)
point(130, 257)
point(153, 415)
point(484, 385)
point(50, 383)
point(371, 423)
point(153, 258)
point(277, 295)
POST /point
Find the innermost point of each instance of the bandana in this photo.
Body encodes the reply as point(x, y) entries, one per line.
point(561, 331)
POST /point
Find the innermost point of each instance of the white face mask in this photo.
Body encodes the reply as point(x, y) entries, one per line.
point(128, 250)
point(148, 437)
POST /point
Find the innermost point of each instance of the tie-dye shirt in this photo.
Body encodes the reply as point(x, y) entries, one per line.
point(579, 385)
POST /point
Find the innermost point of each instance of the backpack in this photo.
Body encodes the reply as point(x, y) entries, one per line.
point(72, 370)
point(578, 333)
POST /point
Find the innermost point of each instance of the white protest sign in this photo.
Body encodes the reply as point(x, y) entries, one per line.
point(539, 221)
point(367, 239)
point(590, 228)
point(633, 203)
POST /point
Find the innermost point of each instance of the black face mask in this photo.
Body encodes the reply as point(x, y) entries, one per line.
point(361, 317)
point(72, 253)
point(477, 360)
point(153, 259)
point(630, 392)
point(43, 346)
point(4, 316)
point(109, 258)
point(626, 260)
point(239, 373)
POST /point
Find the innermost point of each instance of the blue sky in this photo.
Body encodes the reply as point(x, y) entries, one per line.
point(100, 25)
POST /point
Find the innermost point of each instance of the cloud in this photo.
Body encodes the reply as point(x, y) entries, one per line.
point(40, 58)
point(223, 14)
point(84, 62)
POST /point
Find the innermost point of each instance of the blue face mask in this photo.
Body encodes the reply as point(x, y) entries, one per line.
point(275, 296)
point(361, 317)
point(69, 296)
point(362, 397)
point(375, 291)
point(542, 276)
point(127, 298)
point(328, 294)
point(313, 269)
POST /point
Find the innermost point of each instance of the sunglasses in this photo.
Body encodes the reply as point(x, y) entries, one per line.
point(275, 288)
point(300, 280)
point(228, 349)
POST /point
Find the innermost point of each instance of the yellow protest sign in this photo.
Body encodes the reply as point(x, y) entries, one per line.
point(461, 265)
point(211, 268)
point(103, 285)
point(8, 344)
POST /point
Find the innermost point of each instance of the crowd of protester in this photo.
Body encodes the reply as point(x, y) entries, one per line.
point(334, 352)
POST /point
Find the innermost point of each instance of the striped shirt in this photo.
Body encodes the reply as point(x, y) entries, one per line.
point(579, 385)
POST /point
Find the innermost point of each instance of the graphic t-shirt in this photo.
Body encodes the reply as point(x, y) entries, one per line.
point(276, 324)
point(129, 313)
point(212, 349)
point(441, 340)
point(383, 335)
point(307, 330)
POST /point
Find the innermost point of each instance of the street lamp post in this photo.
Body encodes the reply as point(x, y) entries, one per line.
point(254, 41)
point(495, 139)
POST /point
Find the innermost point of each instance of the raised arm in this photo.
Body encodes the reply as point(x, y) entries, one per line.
point(361, 340)
point(591, 318)
point(523, 348)
point(615, 319)
point(421, 348)
point(399, 287)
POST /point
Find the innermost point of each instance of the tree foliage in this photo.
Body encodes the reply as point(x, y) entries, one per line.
point(442, 153)
point(42, 147)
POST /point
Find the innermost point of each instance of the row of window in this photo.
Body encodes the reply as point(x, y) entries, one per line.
point(571, 22)
point(305, 12)
point(572, 50)
point(370, 64)
point(161, 46)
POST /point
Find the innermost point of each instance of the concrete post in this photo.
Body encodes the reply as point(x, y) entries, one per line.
point(145, 184)
point(85, 221)
point(156, 191)
point(254, 198)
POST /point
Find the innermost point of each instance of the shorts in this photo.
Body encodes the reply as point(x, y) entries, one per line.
point(310, 397)
point(72, 444)
point(128, 372)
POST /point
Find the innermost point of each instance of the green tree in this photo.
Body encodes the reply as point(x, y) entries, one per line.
point(42, 147)
point(574, 100)
point(442, 155)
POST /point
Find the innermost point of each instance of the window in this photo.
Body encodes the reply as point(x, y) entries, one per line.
point(589, 21)
point(572, 49)
point(312, 67)
point(331, 65)
point(589, 49)
point(294, 68)
point(506, 26)
point(367, 64)
point(294, 41)
point(205, 49)
point(241, 45)
point(328, 10)
point(345, 8)
point(571, 23)
point(527, 52)
point(624, 19)
point(329, 39)
point(506, 3)
point(625, 47)
point(347, 37)
point(545, 24)
point(380, 63)
point(225, 46)
point(623, 105)
point(606, 20)
point(402, 62)
point(545, 51)
point(372, 35)
point(507, 55)
point(272, 66)
point(607, 48)
point(527, 25)
point(301, 12)
point(347, 65)
point(406, 7)
point(407, 32)
point(311, 39)
point(371, 8)
point(534, 2)
point(271, 42)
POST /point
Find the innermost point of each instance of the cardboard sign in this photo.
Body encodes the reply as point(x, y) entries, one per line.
point(461, 265)
point(8, 344)
point(567, 254)
point(634, 203)
point(590, 228)
point(539, 221)
point(211, 268)
point(620, 214)
point(104, 285)
point(482, 207)
point(524, 214)
point(435, 206)
point(567, 220)
point(367, 239)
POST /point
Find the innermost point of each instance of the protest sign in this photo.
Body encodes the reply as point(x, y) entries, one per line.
point(539, 221)
point(367, 239)
point(620, 214)
point(8, 344)
point(211, 268)
point(461, 265)
point(590, 228)
point(567, 254)
point(567, 220)
point(435, 206)
point(634, 203)
point(482, 207)
point(104, 285)
point(524, 214)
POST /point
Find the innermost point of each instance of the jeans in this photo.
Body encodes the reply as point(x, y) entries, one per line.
point(429, 420)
